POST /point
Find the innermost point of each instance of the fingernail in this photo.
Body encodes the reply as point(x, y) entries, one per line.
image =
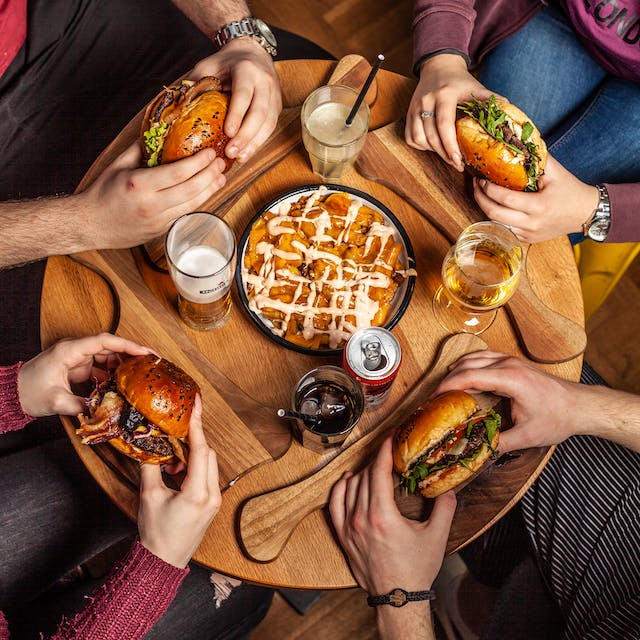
point(482, 182)
point(456, 158)
point(211, 155)
point(245, 153)
point(232, 151)
point(220, 164)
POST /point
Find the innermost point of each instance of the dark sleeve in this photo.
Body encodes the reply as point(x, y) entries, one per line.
point(12, 417)
point(625, 214)
point(441, 26)
point(136, 593)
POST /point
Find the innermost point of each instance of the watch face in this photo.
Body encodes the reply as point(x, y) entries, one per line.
point(598, 229)
point(266, 33)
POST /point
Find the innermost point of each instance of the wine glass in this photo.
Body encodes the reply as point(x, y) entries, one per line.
point(479, 273)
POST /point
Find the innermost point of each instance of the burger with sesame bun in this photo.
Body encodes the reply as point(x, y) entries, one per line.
point(183, 119)
point(499, 142)
point(143, 410)
point(444, 443)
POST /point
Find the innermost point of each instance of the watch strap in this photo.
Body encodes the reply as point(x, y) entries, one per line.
point(399, 597)
point(246, 27)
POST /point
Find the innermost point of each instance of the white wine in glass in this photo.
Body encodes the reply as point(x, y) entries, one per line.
point(479, 273)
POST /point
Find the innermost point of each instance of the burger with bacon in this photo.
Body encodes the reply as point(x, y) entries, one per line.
point(143, 410)
point(183, 119)
point(444, 443)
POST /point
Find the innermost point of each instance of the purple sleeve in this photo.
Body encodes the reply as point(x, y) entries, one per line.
point(136, 593)
point(625, 212)
point(441, 25)
point(12, 417)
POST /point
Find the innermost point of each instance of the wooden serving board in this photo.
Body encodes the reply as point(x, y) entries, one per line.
point(267, 521)
point(547, 336)
point(245, 376)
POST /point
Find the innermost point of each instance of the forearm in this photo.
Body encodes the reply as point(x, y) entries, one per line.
point(209, 16)
point(411, 621)
point(34, 229)
point(136, 593)
point(610, 414)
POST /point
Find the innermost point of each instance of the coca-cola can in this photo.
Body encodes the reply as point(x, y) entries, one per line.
point(372, 356)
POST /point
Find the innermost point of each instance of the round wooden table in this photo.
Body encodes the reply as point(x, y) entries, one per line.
point(244, 375)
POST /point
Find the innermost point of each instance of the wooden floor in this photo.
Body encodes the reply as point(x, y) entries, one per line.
point(383, 26)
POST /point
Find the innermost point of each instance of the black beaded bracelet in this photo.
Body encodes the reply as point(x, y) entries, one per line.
point(400, 597)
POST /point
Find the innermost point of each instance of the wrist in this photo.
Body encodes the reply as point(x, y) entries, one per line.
point(443, 61)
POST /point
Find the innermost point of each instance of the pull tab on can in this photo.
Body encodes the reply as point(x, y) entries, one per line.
point(372, 355)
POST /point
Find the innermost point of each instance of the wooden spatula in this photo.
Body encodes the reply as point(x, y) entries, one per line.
point(545, 335)
point(267, 521)
point(351, 71)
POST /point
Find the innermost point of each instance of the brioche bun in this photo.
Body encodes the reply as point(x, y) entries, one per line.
point(162, 392)
point(183, 119)
point(436, 428)
point(492, 159)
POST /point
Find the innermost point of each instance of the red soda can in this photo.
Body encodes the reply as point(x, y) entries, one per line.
point(372, 356)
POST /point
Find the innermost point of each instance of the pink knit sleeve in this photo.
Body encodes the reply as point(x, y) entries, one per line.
point(12, 417)
point(4, 627)
point(136, 592)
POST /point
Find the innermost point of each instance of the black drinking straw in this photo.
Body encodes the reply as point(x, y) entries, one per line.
point(364, 90)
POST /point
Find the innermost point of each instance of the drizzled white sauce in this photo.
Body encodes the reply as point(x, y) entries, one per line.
point(344, 286)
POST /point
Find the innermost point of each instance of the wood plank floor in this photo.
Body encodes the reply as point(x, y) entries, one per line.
point(383, 26)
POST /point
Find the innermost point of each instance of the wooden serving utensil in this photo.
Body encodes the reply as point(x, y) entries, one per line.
point(268, 520)
point(545, 335)
point(351, 71)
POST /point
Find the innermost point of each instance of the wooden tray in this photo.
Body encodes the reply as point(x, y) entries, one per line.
point(244, 375)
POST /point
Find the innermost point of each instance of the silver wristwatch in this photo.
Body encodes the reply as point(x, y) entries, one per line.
point(597, 227)
point(251, 27)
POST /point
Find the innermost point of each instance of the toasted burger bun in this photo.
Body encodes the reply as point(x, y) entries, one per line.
point(427, 431)
point(184, 119)
point(158, 390)
point(161, 391)
point(492, 158)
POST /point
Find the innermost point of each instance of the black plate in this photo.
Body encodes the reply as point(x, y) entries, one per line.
point(403, 294)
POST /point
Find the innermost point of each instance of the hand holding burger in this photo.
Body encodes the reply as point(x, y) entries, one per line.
point(142, 410)
point(444, 443)
point(499, 142)
point(183, 119)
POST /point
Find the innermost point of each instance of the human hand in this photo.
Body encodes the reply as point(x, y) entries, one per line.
point(385, 549)
point(172, 523)
point(444, 83)
point(128, 204)
point(560, 206)
point(545, 410)
point(256, 99)
point(44, 382)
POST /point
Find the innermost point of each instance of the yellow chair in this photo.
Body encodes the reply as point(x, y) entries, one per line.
point(600, 267)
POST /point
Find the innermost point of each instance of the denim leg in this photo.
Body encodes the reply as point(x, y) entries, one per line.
point(543, 69)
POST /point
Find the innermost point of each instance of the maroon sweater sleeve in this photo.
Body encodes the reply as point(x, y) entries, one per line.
point(135, 593)
point(12, 417)
point(439, 25)
point(625, 212)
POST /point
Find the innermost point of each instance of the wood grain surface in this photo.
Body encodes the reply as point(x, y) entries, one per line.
point(245, 376)
point(546, 335)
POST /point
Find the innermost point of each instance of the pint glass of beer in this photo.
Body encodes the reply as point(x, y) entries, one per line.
point(201, 254)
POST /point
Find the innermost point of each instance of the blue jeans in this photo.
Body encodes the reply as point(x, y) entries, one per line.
point(589, 118)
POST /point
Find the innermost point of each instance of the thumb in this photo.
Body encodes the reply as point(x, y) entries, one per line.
point(69, 404)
